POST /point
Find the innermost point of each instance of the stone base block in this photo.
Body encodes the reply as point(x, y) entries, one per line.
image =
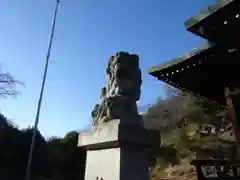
point(117, 164)
point(118, 151)
point(113, 134)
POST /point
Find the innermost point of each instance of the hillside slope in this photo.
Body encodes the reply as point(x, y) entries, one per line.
point(205, 147)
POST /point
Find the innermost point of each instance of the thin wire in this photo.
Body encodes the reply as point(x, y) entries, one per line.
point(41, 95)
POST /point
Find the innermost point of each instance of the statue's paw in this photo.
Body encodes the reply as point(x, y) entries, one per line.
point(104, 119)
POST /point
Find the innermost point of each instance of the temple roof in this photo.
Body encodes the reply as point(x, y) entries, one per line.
point(203, 72)
point(217, 22)
point(179, 60)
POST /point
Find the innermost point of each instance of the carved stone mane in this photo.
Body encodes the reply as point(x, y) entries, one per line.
point(118, 98)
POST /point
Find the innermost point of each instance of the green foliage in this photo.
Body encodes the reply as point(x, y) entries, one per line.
point(58, 158)
point(175, 117)
point(179, 118)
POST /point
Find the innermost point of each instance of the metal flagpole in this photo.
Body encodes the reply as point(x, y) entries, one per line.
point(28, 170)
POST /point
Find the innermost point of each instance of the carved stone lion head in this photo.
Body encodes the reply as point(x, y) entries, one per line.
point(124, 75)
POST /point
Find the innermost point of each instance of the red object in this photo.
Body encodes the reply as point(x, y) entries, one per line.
point(232, 117)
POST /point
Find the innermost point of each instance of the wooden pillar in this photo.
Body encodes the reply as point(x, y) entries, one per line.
point(233, 104)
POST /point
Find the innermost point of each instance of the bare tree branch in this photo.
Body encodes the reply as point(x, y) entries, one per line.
point(8, 85)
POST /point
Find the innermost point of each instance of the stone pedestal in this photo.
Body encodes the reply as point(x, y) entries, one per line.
point(118, 151)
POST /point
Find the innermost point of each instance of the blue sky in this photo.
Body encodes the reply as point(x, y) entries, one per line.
point(87, 33)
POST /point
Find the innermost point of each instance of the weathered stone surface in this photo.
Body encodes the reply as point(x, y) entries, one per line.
point(118, 144)
point(118, 151)
point(124, 76)
point(113, 133)
point(117, 164)
point(123, 89)
point(103, 164)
